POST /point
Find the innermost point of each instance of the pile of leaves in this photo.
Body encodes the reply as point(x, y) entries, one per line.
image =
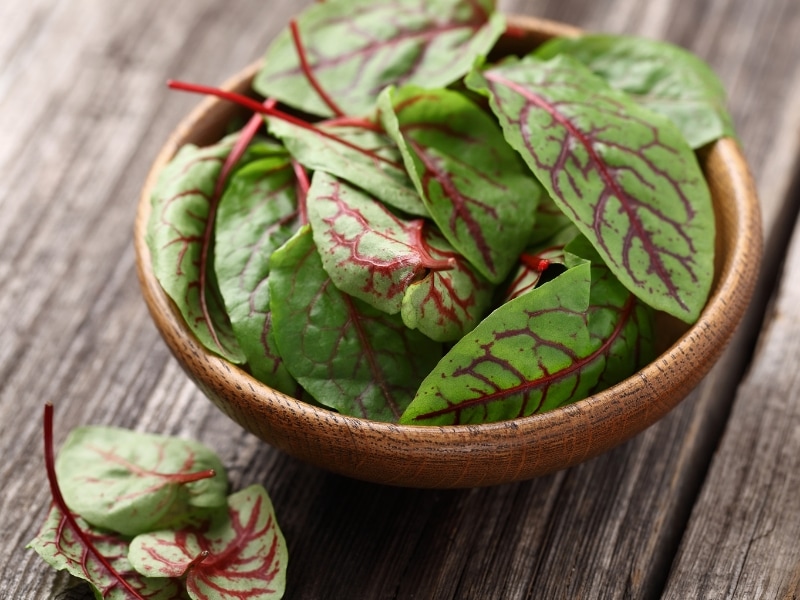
point(422, 235)
point(142, 516)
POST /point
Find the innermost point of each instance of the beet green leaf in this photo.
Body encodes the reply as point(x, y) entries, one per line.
point(473, 183)
point(355, 48)
point(133, 482)
point(177, 235)
point(246, 552)
point(622, 173)
point(347, 354)
point(360, 155)
point(61, 548)
point(544, 349)
point(367, 251)
point(661, 76)
point(446, 304)
point(256, 215)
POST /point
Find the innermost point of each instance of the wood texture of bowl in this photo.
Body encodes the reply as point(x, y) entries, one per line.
point(474, 455)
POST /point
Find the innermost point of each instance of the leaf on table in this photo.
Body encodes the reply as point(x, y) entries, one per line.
point(247, 554)
point(61, 548)
point(535, 353)
point(360, 155)
point(368, 252)
point(256, 215)
point(473, 183)
point(622, 173)
point(660, 76)
point(355, 48)
point(446, 304)
point(177, 234)
point(133, 482)
point(348, 355)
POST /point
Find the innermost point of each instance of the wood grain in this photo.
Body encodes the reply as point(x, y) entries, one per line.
point(83, 111)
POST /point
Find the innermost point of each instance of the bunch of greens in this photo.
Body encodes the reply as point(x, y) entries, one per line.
point(429, 237)
point(143, 516)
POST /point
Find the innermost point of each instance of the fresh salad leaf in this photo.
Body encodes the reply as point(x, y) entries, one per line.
point(240, 553)
point(546, 348)
point(473, 183)
point(62, 549)
point(348, 355)
point(355, 48)
point(256, 215)
point(131, 482)
point(623, 174)
point(368, 252)
point(178, 234)
point(660, 76)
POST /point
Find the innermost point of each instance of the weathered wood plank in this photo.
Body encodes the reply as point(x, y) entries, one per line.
point(83, 110)
point(743, 540)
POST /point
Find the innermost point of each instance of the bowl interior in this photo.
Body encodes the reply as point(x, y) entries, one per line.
point(475, 455)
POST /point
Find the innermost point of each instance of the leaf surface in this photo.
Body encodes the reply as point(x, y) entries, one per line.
point(133, 482)
point(622, 173)
point(542, 350)
point(58, 545)
point(355, 48)
point(367, 251)
point(446, 304)
point(256, 215)
point(247, 554)
point(347, 354)
point(364, 157)
point(176, 236)
point(660, 76)
point(474, 185)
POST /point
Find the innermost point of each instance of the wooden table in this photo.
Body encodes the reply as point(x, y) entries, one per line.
point(705, 504)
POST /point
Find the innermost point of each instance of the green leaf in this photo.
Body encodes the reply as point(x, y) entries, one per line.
point(360, 155)
point(474, 185)
point(622, 173)
point(256, 215)
point(660, 76)
point(62, 549)
point(133, 482)
point(177, 234)
point(247, 554)
point(368, 252)
point(446, 304)
point(355, 48)
point(546, 348)
point(348, 355)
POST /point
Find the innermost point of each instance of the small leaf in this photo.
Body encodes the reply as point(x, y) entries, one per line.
point(58, 545)
point(348, 355)
point(177, 234)
point(360, 155)
point(366, 250)
point(133, 482)
point(446, 304)
point(256, 215)
point(355, 48)
point(535, 353)
point(622, 173)
point(473, 183)
point(660, 76)
point(247, 555)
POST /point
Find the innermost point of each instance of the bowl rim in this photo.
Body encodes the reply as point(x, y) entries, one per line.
point(582, 428)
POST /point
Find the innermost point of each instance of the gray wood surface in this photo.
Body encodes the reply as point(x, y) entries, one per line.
point(83, 110)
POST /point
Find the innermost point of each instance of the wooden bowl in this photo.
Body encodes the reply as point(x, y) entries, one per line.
point(474, 455)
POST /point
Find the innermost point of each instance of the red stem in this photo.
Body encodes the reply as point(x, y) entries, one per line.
point(534, 262)
point(312, 79)
point(427, 261)
point(354, 122)
point(302, 191)
point(255, 106)
point(245, 137)
point(58, 499)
